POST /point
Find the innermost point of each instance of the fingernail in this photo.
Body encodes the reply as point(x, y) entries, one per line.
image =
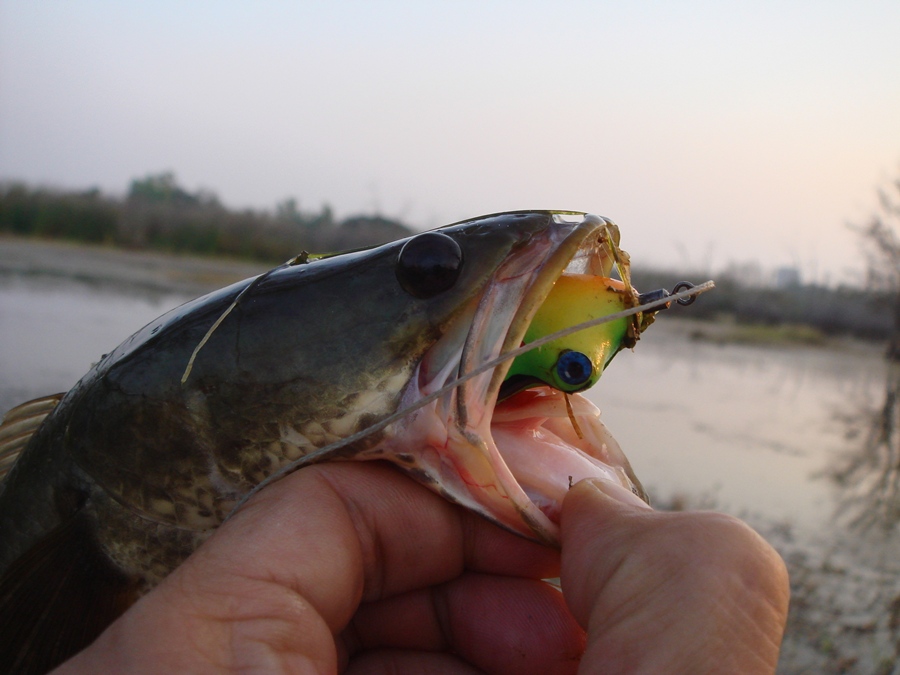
point(619, 493)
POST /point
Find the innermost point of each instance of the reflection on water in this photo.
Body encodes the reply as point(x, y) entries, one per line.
point(869, 473)
point(745, 427)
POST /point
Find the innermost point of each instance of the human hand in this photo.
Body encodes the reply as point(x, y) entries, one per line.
point(355, 567)
point(683, 592)
point(349, 566)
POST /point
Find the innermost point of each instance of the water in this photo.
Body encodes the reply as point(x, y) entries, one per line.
point(748, 429)
point(53, 329)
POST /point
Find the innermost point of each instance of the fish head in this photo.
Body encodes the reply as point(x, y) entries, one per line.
point(501, 448)
point(374, 354)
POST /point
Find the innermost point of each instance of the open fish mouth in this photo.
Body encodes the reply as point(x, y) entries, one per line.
point(511, 460)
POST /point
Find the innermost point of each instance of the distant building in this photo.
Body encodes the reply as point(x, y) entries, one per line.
point(787, 277)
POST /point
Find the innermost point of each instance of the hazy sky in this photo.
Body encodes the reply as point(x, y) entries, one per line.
point(712, 132)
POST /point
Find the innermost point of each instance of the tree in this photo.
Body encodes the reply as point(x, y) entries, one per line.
point(869, 474)
point(288, 210)
point(163, 188)
point(882, 245)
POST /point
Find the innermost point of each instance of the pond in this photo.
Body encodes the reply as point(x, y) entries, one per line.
point(52, 330)
point(748, 430)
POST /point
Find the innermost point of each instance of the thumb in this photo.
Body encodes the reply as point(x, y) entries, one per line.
point(688, 592)
point(596, 522)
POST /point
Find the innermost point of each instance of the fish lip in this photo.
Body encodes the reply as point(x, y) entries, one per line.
point(588, 237)
point(552, 268)
point(459, 456)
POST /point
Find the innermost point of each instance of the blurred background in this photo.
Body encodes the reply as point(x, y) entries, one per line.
point(150, 152)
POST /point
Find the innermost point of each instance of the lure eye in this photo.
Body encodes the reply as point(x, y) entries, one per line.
point(429, 264)
point(574, 368)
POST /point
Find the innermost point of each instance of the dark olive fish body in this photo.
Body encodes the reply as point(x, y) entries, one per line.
point(139, 467)
point(155, 446)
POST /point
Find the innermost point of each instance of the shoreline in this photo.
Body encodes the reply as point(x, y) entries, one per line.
point(191, 275)
point(148, 270)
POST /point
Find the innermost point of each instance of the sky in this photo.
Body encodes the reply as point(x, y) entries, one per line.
point(714, 133)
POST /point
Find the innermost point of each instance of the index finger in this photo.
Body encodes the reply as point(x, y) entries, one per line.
point(364, 531)
point(271, 588)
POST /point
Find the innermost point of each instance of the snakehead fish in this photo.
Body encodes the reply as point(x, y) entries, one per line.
point(116, 482)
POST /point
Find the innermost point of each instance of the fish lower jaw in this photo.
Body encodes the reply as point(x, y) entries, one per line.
point(549, 447)
point(547, 480)
point(516, 466)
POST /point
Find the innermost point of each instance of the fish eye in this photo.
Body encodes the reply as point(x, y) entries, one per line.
point(574, 368)
point(429, 264)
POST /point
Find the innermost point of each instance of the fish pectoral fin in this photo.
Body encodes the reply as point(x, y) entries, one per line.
point(18, 426)
point(56, 599)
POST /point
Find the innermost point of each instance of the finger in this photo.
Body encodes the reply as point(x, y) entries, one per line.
point(392, 661)
point(669, 592)
point(289, 569)
point(403, 535)
point(361, 531)
point(498, 624)
point(414, 538)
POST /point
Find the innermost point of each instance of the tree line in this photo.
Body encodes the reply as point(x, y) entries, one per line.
point(846, 310)
point(157, 213)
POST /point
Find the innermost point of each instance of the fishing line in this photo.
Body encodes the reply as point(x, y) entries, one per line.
point(296, 260)
point(212, 329)
point(322, 453)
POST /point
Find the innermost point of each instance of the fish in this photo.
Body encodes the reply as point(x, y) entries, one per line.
point(393, 353)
